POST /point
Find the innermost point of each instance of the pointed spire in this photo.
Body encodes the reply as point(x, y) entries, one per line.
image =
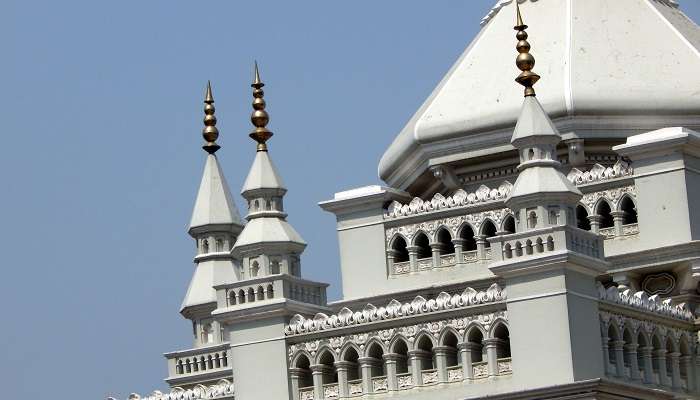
point(259, 117)
point(525, 61)
point(210, 132)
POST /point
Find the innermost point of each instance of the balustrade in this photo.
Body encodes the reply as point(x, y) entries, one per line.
point(198, 361)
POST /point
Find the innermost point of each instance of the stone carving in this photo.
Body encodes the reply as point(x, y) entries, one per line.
point(306, 394)
point(481, 370)
point(502, 3)
point(630, 229)
point(331, 391)
point(600, 173)
point(642, 301)
point(355, 388)
point(662, 283)
point(222, 389)
point(345, 317)
point(453, 224)
point(455, 375)
point(380, 384)
point(405, 381)
point(459, 199)
point(505, 366)
point(430, 377)
point(611, 195)
point(402, 267)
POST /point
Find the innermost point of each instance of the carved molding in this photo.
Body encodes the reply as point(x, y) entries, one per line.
point(613, 196)
point(600, 173)
point(642, 301)
point(222, 389)
point(647, 328)
point(460, 198)
point(300, 325)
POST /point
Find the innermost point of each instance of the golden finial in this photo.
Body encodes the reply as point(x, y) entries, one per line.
point(259, 118)
point(525, 60)
point(210, 133)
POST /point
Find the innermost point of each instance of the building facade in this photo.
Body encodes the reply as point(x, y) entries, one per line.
point(542, 246)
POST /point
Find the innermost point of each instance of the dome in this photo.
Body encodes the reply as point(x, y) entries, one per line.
point(610, 69)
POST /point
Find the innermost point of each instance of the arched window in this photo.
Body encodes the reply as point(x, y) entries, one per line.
point(627, 337)
point(354, 371)
point(630, 216)
point(467, 234)
point(232, 298)
point(642, 343)
point(207, 334)
point(376, 353)
point(685, 365)
point(400, 348)
point(488, 230)
point(399, 246)
point(261, 293)
point(270, 292)
point(445, 239)
point(582, 221)
point(423, 245)
point(251, 294)
point(450, 341)
point(303, 366)
point(224, 359)
point(612, 338)
point(329, 374)
point(219, 245)
point(606, 219)
point(425, 346)
point(475, 340)
point(268, 205)
point(179, 367)
point(254, 269)
point(205, 246)
point(274, 267)
point(509, 224)
point(532, 220)
point(670, 348)
point(656, 344)
point(241, 296)
point(503, 347)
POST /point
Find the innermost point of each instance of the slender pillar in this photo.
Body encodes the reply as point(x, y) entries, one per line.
point(465, 353)
point(618, 219)
point(647, 364)
point(437, 249)
point(441, 353)
point(480, 246)
point(492, 355)
point(675, 371)
point(318, 371)
point(660, 357)
point(606, 350)
point(368, 365)
point(391, 255)
point(595, 222)
point(619, 347)
point(459, 246)
point(631, 350)
point(390, 361)
point(418, 359)
point(413, 257)
point(295, 375)
point(342, 367)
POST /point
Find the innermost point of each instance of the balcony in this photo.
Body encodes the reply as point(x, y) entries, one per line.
point(199, 364)
point(270, 288)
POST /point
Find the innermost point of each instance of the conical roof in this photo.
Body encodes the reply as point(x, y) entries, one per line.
point(263, 174)
point(214, 204)
point(604, 60)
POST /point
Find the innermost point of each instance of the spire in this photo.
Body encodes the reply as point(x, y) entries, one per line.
point(525, 61)
point(259, 117)
point(210, 132)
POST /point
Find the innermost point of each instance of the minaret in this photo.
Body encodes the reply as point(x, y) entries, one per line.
point(268, 244)
point(215, 225)
point(549, 265)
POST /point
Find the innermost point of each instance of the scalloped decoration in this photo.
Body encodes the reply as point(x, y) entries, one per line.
point(640, 300)
point(200, 392)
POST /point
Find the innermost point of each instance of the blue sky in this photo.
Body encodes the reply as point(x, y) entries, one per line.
point(101, 108)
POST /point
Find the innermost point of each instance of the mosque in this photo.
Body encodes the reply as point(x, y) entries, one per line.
point(527, 245)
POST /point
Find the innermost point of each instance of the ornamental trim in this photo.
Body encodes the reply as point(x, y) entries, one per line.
point(223, 388)
point(300, 325)
point(642, 301)
point(600, 173)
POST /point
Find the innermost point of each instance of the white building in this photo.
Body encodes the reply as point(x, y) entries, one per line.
point(543, 247)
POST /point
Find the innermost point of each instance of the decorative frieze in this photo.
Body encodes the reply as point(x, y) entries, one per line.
point(641, 300)
point(223, 389)
point(613, 196)
point(453, 224)
point(460, 198)
point(600, 173)
point(345, 317)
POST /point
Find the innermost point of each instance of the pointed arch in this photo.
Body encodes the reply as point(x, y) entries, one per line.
point(500, 332)
point(466, 233)
point(488, 229)
point(444, 237)
point(582, 221)
point(508, 224)
point(399, 245)
point(449, 340)
point(604, 211)
point(399, 347)
point(628, 206)
point(302, 363)
point(422, 242)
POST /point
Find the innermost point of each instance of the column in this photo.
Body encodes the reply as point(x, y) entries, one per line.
point(295, 375)
point(459, 246)
point(437, 249)
point(413, 257)
point(647, 364)
point(675, 371)
point(595, 222)
point(619, 348)
point(342, 368)
point(606, 349)
point(390, 360)
point(480, 246)
point(465, 353)
point(618, 219)
point(687, 363)
point(441, 361)
point(367, 366)
point(318, 371)
point(660, 357)
point(631, 350)
point(492, 355)
point(391, 255)
point(418, 358)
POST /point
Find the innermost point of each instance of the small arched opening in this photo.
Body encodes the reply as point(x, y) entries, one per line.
point(423, 245)
point(582, 221)
point(630, 211)
point(475, 340)
point(303, 369)
point(400, 349)
point(467, 235)
point(488, 230)
point(449, 343)
point(327, 361)
point(509, 224)
point(502, 335)
point(351, 357)
point(445, 240)
point(604, 212)
point(400, 251)
point(424, 351)
point(375, 356)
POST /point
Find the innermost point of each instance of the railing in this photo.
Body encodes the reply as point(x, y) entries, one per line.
point(402, 267)
point(471, 256)
point(505, 366)
point(425, 263)
point(430, 376)
point(306, 393)
point(404, 380)
point(448, 260)
point(198, 361)
point(455, 373)
point(380, 384)
point(630, 229)
point(607, 233)
point(331, 391)
point(480, 369)
point(526, 244)
point(271, 287)
point(355, 387)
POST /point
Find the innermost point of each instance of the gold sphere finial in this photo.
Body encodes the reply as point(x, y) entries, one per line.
point(259, 117)
point(525, 61)
point(210, 132)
